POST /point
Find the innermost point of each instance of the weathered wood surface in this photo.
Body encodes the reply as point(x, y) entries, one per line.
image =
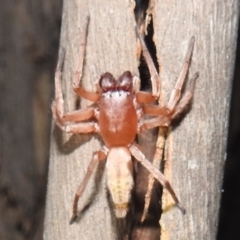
point(196, 146)
point(111, 46)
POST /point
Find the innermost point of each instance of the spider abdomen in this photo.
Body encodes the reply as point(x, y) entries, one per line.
point(117, 118)
point(120, 179)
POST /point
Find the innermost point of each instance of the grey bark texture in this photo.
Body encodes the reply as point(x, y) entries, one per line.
point(196, 147)
point(111, 46)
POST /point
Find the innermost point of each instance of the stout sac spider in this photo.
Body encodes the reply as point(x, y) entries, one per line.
point(117, 117)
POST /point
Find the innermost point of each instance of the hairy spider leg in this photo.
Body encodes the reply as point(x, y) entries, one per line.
point(157, 159)
point(62, 118)
point(158, 156)
point(164, 120)
point(82, 50)
point(156, 83)
point(176, 92)
point(92, 96)
point(97, 156)
point(168, 113)
point(135, 151)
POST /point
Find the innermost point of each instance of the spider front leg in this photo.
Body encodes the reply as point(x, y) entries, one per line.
point(156, 84)
point(92, 96)
point(164, 120)
point(165, 115)
point(168, 113)
point(62, 119)
point(176, 92)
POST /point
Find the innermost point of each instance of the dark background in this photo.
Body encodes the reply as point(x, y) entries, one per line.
point(29, 40)
point(229, 224)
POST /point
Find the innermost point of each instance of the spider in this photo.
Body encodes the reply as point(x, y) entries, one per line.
point(117, 117)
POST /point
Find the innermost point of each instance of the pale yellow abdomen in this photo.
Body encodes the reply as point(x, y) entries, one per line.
point(120, 179)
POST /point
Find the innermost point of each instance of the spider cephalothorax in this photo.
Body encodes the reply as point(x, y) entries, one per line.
point(118, 120)
point(118, 110)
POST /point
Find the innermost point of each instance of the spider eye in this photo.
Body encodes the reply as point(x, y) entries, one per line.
point(125, 82)
point(107, 82)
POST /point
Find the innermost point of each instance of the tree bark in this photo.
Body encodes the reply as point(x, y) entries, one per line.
point(197, 146)
point(111, 46)
point(195, 151)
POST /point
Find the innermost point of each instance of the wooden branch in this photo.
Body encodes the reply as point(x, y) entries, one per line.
point(195, 151)
point(111, 46)
point(197, 145)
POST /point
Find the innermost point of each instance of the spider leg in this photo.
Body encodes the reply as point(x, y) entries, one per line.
point(157, 159)
point(186, 98)
point(160, 121)
point(74, 116)
point(147, 197)
point(164, 114)
point(58, 107)
point(85, 127)
point(176, 92)
point(164, 119)
point(75, 128)
point(136, 83)
point(92, 96)
point(59, 102)
point(97, 156)
point(156, 87)
point(78, 73)
point(155, 110)
point(163, 111)
point(79, 115)
point(155, 172)
point(145, 97)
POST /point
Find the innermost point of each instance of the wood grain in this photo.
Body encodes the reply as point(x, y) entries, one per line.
point(197, 145)
point(111, 46)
